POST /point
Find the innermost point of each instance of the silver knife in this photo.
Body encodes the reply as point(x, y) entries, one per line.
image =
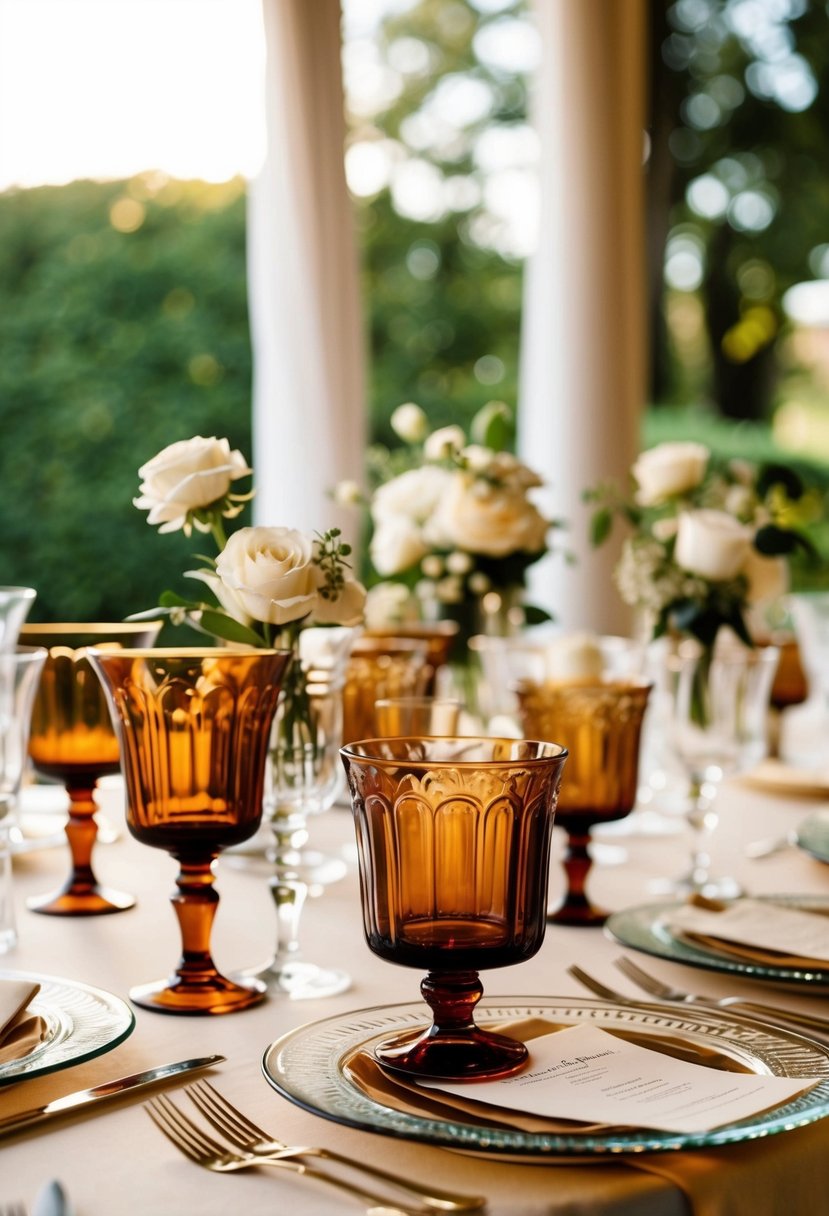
point(100, 1093)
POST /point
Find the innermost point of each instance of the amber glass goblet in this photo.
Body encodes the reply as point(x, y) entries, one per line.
point(381, 667)
point(73, 741)
point(440, 638)
point(453, 836)
point(600, 724)
point(194, 727)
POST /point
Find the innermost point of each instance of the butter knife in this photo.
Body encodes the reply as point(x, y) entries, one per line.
point(100, 1093)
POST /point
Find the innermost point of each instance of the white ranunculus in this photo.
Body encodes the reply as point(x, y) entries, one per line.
point(482, 518)
point(711, 544)
point(445, 442)
point(667, 470)
point(185, 476)
point(413, 495)
point(397, 545)
point(768, 577)
point(409, 423)
point(267, 574)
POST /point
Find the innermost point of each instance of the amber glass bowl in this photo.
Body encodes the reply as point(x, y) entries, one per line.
point(381, 667)
point(453, 839)
point(194, 727)
point(600, 723)
point(72, 740)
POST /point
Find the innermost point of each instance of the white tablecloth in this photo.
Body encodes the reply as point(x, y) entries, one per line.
point(116, 1161)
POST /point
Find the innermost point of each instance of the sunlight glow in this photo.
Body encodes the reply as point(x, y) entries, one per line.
point(108, 88)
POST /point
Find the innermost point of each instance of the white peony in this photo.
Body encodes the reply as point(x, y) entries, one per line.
point(483, 518)
point(711, 544)
point(187, 476)
point(667, 470)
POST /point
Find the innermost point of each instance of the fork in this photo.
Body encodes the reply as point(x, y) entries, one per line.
point(189, 1138)
point(664, 992)
point(245, 1135)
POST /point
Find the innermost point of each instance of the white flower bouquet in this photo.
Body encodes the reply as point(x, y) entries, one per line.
point(452, 515)
point(709, 544)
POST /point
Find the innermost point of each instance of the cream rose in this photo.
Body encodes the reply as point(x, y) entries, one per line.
point(397, 545)
point(444, 442)
point(483, 518)
point(185, 476)
point(667, 470)
point(410, 423)
point(413, 495)
point(711, 544)
point(267, 574)
point(347, 609)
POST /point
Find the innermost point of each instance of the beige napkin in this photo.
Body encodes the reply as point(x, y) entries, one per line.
point(739, 950)
point(20, 1031)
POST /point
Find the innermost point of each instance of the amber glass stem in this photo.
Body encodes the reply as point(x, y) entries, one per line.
point(81, 832)
point(577, 908)
point(452, 997)
point(195, 905)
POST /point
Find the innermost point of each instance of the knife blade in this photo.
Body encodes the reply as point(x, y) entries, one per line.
point(101, 1093)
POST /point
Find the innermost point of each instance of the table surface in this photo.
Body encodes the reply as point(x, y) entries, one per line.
point(117, 1160)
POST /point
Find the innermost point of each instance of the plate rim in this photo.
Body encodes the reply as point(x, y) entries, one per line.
point(696, 955)
point(23, 1074)
point(507, 1142)
point(804, 828)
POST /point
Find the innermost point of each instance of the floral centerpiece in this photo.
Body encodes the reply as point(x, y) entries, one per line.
point(710, 543)
point(454, 525)
point(269, 583)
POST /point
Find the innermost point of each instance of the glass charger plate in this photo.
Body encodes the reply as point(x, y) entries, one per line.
point(644, 928)
point(813, 835)
point(308, 1067)
point(81, 1023)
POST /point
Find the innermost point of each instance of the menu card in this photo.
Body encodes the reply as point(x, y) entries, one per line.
point(761, 924)
point(587, 1074)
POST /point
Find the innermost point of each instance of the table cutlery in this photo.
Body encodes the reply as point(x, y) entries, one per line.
point(51, 1200)
point(101, 1093)
point(769, 846)
point(189, 1138)
point(245, 1135)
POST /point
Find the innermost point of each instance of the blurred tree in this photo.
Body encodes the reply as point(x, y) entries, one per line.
point(739, 179)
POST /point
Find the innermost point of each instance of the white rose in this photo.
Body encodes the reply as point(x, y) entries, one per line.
point(413, 495)
point(409, 423)
point(444, 442)
point(187, 475)
point(390, 604)
point(574, 656)
point(488, 519)
point(768, 577)
point(711, 544)
point(267, 574)
point(667, 470)
point(347, 609)
point(396, 545)
point(477, 457)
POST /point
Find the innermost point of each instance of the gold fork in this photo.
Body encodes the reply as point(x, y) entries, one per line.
point(189, 1138)
point(246, 1136)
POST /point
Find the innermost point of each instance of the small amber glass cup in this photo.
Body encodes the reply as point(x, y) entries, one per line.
point(397, 716)
point(377, 668)
point(453, 839)
point(194, 727)
point(600, 723)
point(72, 740)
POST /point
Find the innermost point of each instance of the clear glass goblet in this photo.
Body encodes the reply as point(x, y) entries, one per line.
point(15, 603)
point(718, 727)
point(194, 727)
point(453, 837)
point(72, 740)
point(304, 778)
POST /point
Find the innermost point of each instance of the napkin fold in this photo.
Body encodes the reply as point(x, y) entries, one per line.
point(731, 943)
point(20, 1030)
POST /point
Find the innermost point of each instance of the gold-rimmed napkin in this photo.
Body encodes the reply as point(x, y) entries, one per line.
point(20, 1030)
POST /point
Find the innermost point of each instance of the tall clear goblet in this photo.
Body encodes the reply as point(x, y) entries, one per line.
point(454, 846)
point(304, 778)
point(718, 727)
point(72, 739)
point(194, 728)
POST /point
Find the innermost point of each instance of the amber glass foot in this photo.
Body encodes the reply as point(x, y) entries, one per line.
point(197, 986)
point(577, 908)
point(453, 1048)
point(81, 895)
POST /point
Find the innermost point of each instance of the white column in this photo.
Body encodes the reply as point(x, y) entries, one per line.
point(583, 371)
point(308, 359)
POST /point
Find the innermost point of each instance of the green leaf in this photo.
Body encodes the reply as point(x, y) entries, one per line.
point(600, 526)
point(223, 626)
point(171, 599)
point(779, 475)
point(149, 614)
point(493, 426)
point(534, 615)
